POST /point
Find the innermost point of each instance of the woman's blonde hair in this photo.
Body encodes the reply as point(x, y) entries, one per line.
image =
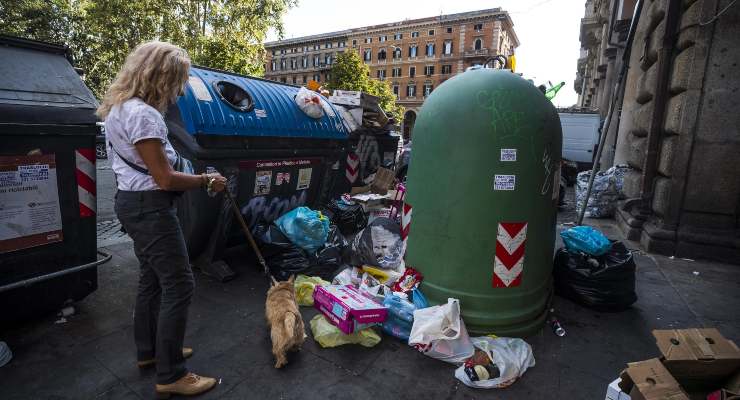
point(155, 72)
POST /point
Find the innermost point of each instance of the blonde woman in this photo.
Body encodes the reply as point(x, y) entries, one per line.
point(152, 77)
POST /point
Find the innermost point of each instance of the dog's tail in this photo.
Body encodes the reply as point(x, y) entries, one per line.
point(289, 322)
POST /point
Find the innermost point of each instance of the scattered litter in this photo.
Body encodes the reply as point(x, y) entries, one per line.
point(439, 332)
point(688, 259)
point(380, 245)
point(306, 228)
point(586, 239)
point(496, 363)
point(61, 320)
point(557, 328)
point(304, 287)
point(606, 283)
point(696, 273)
point(219, 381)
point(347, 308)
point(328, 335)
point(408, 281)
point(66, 311)
point(348, 276)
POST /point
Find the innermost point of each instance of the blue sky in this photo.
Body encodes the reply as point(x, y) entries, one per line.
point(547, 29)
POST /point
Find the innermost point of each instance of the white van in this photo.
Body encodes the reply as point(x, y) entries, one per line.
point(580, 137)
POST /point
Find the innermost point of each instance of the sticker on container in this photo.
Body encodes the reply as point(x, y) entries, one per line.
point(509, 257)
point(508, 154)
point(304, 178)
point(504, 182)
point(29, 214)
point(282, 177)
point(199, 89)
point(260, 113)
point(262, 182)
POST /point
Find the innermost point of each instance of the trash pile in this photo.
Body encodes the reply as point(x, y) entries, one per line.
point(607, 189)
point(594, 271)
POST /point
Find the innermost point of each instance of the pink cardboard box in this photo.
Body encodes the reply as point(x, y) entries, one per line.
point(346, 308)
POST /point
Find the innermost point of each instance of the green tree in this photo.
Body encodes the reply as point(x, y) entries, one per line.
point(349, 72)
point(224, 34)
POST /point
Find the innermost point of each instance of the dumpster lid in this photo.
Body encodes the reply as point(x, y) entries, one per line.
point(39, 85)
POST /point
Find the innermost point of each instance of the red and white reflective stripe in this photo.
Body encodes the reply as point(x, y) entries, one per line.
point(353, 167)
point(405, 222)
point(509, 258)
point(85, 173)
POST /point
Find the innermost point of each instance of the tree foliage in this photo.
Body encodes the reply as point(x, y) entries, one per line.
point(349, 72)
point(224, 34)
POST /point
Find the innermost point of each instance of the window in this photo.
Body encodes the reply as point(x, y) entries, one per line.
point(327, 76)
point(397, 53)
point(274, 52)
point(398, 36)
point(381, 55)
point(414, 34)
point(396, 72)
point(368, 55)
point(283, 80)
point(295, 79)
point(342, 44)
point(354, 42)
point(478, 44)
point(305, 49)
point(304, 62)
point(411, 90)
point(317, 77)
point(293, 63)
point(381, 74)
point(446, 69)
point(428, 89)
point(431, 32)
point(429, 70)
point(316, 60)
point(304, 78)
point(282, 51)
point(412, 51)
point(412, 72)
point(282, 64)
point(316, 46)
point(368, 40)
point(396, 91)
point(448, 48)
point(430, 49)
point(382, 38)
point(273, 66)
point(327, 58)
point(478, 27)
point(328, 46)
point(449, 29)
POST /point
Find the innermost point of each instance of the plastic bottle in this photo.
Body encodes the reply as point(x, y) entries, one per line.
point(399, 308)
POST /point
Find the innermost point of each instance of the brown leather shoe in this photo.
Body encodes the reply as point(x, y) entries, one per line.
point(186, 352)
point(189, 385)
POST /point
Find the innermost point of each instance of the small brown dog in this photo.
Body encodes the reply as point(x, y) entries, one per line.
point(284, 319)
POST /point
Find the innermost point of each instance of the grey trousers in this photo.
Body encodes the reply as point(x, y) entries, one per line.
point(165, 280)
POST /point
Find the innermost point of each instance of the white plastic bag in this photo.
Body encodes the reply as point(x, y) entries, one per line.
point(310, 103)
point(440, 333)
point(511, 356)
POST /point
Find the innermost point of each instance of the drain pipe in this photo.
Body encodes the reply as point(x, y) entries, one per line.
point(610, 113)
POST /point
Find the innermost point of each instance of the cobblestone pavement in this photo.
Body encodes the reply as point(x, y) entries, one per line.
point(109, 233)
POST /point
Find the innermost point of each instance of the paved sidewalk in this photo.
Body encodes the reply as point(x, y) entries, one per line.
point(92, 355)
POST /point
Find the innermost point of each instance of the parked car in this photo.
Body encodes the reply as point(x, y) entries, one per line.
point(580, 137)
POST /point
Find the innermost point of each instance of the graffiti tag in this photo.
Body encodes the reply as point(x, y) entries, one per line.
point(260, 209)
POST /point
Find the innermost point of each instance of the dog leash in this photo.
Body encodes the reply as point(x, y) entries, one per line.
point(248, 233)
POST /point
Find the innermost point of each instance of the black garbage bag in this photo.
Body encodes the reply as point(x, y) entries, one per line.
point(283, 258)
point(349, 218)
point(379, 245)
point(604, 283)
point(330, 258)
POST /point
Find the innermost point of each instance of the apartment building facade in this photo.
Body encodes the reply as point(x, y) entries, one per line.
point(414, 56)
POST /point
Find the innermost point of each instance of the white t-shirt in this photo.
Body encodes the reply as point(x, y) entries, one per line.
point(125, 125)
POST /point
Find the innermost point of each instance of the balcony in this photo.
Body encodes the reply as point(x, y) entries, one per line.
point(476, 53)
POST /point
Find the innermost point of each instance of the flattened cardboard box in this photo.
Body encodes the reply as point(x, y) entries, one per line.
point(650, 380)
point(698, 357)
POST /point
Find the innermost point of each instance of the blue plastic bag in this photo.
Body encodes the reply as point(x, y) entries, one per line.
point(586, 239)
point(397, 328)
point(306, 228)
point(418, 298)
point(400, 317)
